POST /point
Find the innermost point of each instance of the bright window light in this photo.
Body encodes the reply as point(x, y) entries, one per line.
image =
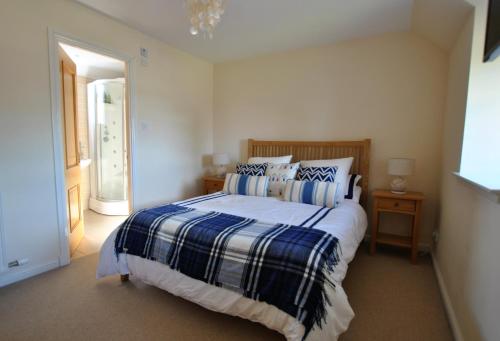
point(481, 144)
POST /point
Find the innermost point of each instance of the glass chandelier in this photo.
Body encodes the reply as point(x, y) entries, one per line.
point(204, 15)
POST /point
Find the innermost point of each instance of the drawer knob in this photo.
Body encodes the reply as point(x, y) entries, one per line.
point(396, 204)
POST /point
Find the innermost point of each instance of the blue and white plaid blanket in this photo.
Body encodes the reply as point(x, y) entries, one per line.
point(283, 265)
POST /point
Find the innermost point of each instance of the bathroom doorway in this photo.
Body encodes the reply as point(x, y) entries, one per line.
point(107, 145)
point(95, 135)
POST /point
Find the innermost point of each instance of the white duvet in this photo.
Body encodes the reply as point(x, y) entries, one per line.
point(347, 222)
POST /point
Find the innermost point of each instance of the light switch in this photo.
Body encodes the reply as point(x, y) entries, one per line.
point(144, 52)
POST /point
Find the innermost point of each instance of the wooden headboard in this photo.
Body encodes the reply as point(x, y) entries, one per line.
point(318, 150)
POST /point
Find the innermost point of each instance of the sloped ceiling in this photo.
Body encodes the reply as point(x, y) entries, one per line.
point(255, 27)
point(440, 21)
point(94, 66)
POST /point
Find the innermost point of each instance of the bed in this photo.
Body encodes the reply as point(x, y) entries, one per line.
point(347, 222)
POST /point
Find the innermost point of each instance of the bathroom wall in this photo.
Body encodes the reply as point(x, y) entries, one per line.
point(83, 135)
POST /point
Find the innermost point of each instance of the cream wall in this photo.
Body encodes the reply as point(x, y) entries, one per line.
point(389, 88)
point(467, 254)
point(174, 106)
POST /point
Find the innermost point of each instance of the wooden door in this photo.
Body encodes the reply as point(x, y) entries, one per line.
point(71, 149)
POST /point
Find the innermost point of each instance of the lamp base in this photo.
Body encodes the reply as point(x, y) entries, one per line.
point(398, 185)
point(220, 171)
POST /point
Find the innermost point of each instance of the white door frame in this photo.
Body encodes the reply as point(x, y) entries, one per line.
point(55, 38)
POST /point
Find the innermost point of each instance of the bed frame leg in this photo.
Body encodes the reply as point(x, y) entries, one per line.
point(124, 278)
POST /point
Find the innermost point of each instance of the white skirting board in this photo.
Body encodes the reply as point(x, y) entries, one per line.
point(3, 266)
point(7, 278)
point(452, 317)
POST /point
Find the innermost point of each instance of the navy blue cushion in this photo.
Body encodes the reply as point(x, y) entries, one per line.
point(325, 174)
point(251, 169)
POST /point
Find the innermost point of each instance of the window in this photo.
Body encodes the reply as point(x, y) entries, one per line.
point(480, 161)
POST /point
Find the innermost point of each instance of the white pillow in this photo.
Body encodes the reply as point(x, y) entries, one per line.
point(275, 159)
point(278, 175)
point(356, 194)
point(343, 168)
point(352, 182)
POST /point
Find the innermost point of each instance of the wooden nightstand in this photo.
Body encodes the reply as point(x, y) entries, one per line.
point(409, 203)
point(212, 184)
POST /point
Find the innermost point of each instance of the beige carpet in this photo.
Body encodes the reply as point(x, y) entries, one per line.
point(97, 228)
point(393, 300)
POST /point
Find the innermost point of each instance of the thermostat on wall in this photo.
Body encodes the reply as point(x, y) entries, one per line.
point(144, 52)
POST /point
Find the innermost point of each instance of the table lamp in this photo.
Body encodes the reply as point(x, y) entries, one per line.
point(220, 160)
point(400, 168)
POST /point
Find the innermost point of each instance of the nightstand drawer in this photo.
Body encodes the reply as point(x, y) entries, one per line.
point(213, 184)
point(396, 204)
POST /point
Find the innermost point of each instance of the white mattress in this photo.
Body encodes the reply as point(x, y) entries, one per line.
point(347, 222)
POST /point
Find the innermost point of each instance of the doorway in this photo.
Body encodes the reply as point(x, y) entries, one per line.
point(92, 133)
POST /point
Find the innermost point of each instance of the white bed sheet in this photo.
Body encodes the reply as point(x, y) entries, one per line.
point(347, 222)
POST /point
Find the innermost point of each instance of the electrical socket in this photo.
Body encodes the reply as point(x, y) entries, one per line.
point(23, 261)
point(18, 262)
point(435, 236)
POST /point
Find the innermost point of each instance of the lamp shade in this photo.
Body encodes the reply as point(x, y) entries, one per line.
point(220, 159)
point(401, 166)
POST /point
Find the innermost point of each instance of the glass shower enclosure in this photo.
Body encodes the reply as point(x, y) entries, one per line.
point(107, 146)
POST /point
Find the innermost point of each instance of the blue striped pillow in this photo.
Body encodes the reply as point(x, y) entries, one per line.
point(246, 185)
point(317, 173)
point(320, 193)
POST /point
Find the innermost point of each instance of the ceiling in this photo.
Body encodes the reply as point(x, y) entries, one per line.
point(93, 65)
point(254, 27)
point(440, 20)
